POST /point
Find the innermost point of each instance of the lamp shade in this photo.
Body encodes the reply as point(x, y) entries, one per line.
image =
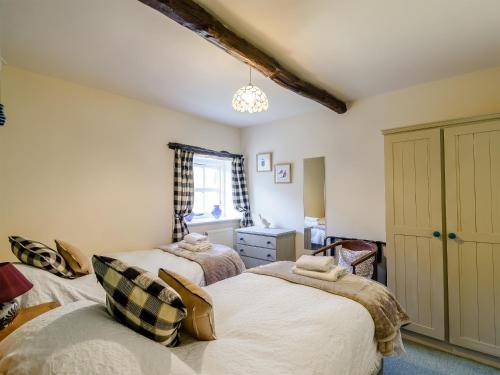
point(250, 99)
point(12, 282)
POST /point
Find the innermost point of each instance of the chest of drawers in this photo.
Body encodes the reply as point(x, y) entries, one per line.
point(258, 246)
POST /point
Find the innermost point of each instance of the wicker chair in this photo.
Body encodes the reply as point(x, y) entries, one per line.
point(354, 245)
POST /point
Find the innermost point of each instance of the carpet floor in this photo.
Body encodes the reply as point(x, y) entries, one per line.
point(420, 360)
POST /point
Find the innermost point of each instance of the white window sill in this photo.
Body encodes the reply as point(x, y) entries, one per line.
point(212, 220)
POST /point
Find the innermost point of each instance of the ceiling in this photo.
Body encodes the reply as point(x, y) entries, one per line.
point(355, 49)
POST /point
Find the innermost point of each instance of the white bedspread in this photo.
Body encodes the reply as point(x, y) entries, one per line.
point(48, 287)
point(153, 260)
point(264, 325)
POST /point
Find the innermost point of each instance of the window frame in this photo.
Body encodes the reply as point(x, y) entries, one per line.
point(224, 170)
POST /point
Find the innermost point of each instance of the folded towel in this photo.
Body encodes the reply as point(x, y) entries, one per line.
point(202, 246)
point(194, 238)
point(315, 263)
point(333, 275)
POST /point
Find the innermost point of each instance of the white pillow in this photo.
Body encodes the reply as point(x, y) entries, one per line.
point(346, 257)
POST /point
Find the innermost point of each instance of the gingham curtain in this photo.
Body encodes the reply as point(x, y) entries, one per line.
point(240, 191)
point(2, 115)
point(183, 192)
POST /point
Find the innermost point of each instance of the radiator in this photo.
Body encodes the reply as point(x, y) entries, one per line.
point(223, 236)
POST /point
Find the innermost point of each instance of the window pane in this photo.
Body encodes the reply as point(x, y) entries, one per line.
point(198, 176)
point(211, 199)
point(198, 203)
point(212, 178)
point(213, 186)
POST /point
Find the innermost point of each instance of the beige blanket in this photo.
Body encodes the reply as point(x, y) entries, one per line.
point(385, 310)
point(218, 263)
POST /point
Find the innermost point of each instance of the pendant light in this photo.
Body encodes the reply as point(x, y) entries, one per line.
point(250, 98)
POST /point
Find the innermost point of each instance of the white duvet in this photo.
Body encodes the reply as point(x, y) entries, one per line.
point(264, 325)
point(48, 287)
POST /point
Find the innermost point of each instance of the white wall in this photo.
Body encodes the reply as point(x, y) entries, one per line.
point(93, 167)
point(353, 148)
point(88, 166)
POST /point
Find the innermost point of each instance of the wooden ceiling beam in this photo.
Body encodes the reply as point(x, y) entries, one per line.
point(192, 16)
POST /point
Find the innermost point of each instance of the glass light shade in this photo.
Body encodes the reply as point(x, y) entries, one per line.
point(250, 99)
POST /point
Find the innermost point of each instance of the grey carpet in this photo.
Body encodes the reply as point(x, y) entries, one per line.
point(420, 360)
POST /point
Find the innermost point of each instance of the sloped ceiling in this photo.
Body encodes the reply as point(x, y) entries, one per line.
point(355, 49)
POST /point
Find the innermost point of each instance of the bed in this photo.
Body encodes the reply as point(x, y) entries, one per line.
point(263, 324)
point(316, 228)
point(48, 287)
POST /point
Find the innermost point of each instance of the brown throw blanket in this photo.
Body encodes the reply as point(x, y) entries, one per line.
point(218, 263)
point(385, 310)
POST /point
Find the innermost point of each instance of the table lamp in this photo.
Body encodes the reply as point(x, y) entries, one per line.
point(12, 285)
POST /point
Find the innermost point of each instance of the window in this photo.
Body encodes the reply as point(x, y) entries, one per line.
point(212, 186)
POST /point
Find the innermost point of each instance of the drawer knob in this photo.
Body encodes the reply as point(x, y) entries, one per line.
point(452, 236)
point(241, 239)
point(241, 250)
point(436, 234)
point(269, 255)
point(269, 242)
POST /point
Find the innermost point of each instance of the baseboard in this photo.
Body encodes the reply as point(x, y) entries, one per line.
point(451, 349)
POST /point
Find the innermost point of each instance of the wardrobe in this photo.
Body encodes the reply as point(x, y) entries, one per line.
point(443, 229)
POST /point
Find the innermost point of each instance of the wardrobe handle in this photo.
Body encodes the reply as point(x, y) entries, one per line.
point(436, 234)
point(452, 236)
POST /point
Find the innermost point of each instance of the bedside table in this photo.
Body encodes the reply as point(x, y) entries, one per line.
point(25, 315)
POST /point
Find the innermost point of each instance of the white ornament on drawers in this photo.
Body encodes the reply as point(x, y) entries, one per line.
point(258, 246)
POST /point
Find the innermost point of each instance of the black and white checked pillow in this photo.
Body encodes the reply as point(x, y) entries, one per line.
point(38, 255)
point(140, 300)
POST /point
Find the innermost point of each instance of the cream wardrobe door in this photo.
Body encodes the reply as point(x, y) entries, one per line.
point(414, 224)
point(472, 155)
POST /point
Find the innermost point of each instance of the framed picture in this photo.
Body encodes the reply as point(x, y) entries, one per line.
point(264, 162)
point(283, 173)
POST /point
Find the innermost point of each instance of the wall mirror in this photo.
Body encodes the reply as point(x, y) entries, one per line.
point(314, 203)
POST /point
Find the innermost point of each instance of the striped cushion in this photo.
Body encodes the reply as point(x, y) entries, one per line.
point(38, 255)
point(140, 300)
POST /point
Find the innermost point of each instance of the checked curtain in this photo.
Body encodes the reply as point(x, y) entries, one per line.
point(241, 201)
point(183, 192)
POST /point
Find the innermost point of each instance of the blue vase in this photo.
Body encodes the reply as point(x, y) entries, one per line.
point(216, 212)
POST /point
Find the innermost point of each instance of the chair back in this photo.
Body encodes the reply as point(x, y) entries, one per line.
point(356, 245)
point(379, 272)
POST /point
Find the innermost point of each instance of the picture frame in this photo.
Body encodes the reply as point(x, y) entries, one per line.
point(283, 173)
point(264, 162)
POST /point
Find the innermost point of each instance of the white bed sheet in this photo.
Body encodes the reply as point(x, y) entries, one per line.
point(264, 325)
point(153, 260)
point(318, 234)
point(48, 287)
